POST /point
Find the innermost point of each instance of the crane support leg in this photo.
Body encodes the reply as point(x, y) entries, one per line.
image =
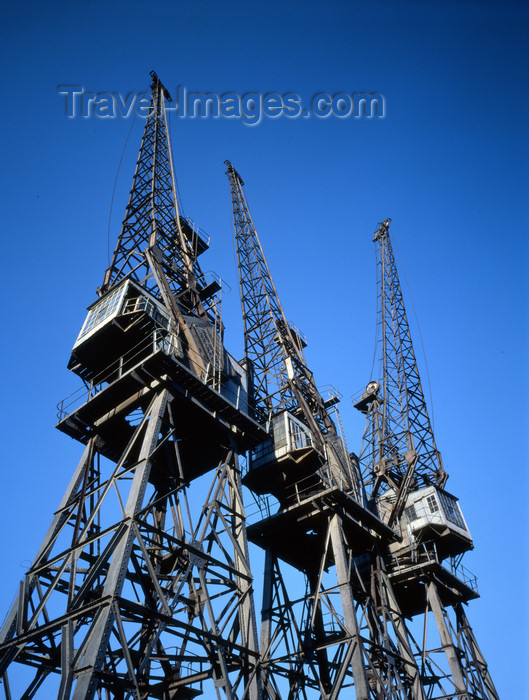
point(446, 640)
point(346, 594)
point(93, 654)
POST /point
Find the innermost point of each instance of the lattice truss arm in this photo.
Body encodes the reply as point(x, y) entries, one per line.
point(130, 594)
point(261, 307)
point(398, 429)
point(273, 347)
point(152, 211)
point(153, 221)
point(280, 376)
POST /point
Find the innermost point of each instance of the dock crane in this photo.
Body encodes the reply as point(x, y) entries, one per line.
point(330, 621)
point(136, 592)
point(405, 483)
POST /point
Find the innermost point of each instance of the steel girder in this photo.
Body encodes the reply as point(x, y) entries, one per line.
point(399, 425)
point(134, 592)
point(335, 631)
point(399, 455)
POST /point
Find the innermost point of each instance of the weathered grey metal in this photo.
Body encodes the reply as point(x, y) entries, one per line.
point(454, 662)
point(91, 655)
point(328, 627)
point(142, 586)
point(343, 578)
point(405, 481)
point(405, 442)
point(281, 379)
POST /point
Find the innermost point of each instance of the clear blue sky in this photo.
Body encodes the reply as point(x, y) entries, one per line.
point(448, 164)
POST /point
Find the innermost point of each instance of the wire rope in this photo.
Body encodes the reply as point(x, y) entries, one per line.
point(114, 188)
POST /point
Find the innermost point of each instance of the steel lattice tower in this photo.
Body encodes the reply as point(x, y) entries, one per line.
point(331, 625)
point(405, 479)
point(142, 586)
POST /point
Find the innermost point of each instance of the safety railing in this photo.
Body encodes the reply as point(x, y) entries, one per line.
point(260, 508)
point(157, 339)
point(196, 231)
point(191, 671)
point(330, 394)
point(264, 506)
point(463, 574)
point(299, 336)
point(426, 553)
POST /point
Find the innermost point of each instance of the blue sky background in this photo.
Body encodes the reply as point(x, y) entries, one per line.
point(448, 164)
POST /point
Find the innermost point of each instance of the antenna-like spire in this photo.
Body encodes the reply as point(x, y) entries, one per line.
point(152, 218)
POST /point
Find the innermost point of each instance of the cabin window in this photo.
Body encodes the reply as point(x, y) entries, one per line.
point(431, 501)
point(411, 513)
point(299, 436)
point(104, 308)
point(280, 432)
point(451, 510)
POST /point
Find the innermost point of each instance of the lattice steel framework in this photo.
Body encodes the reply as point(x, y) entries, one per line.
point(142, 586)
point(405, 479)
point(280, 377)
point(400, 448)
point(261, 309)
point(330, 625)
point(152, 216)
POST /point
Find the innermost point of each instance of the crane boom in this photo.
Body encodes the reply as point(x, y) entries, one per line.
point(281, 379)
point(405, 478)
point(399, 445)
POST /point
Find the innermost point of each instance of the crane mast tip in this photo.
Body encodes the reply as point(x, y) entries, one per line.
point(231, 170)
point(156, 81)
point(382, 229)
